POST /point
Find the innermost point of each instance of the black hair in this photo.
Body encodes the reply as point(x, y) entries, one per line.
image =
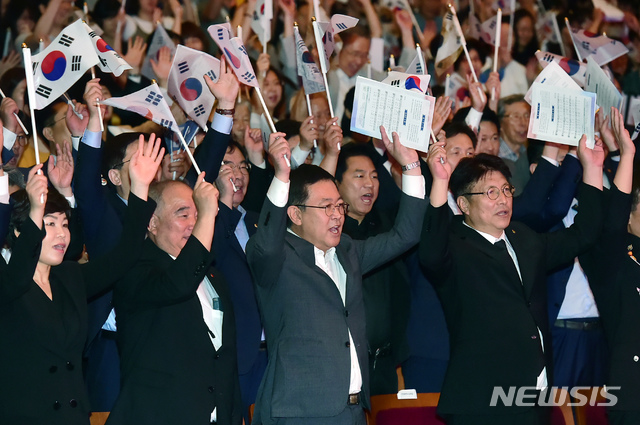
point(347, 36)
point(301, 178)
point(454, 128)
point(191, 30)
point(487, 115)
point(472, 44)
point(289, 127)
point(351, 150)
point(45, 117)
point(56, 203)
point(471, 170)
point(105, 9)
point(524, 53)
point(115, 151)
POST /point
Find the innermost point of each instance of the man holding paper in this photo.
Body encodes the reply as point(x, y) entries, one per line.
point(309, 288)
point(490, 276)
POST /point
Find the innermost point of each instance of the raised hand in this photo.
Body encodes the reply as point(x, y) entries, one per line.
point(92, 94)
point(226, 185)
point(402, 154)
point(135, 54)
point(623, 140)
point(263, 64)
point(226, 88)
point(76, 125)
point(603, 127)
point(37, 191)
point(162, 67)
point(279, 152)
point(493, 86)
point(308, 133)
point(592, 162)
point(478, 98)
point(144, 164)
point(333, 137)
point(205, 196)
point(60, 169)
point(254, 144)
point(441, 113)
point(8, 108)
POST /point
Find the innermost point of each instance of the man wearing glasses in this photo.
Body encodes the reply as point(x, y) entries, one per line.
point(308, 278)
point(490, 275)
point(514, 113)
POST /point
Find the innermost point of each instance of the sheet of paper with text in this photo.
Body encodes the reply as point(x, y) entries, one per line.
point(408, 113)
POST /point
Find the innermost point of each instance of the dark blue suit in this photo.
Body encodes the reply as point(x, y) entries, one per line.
point(231, 260)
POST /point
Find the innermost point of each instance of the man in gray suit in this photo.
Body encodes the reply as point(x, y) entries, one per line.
point(308, 279)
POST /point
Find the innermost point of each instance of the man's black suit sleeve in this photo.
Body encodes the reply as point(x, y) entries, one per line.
point(434, 251)
point(104, 271)
point(265, 249)
point(209, 156)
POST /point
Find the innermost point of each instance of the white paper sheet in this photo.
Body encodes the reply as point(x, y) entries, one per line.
point(607, 95)
point(407, 113)
point(553, 76)
point(561, 116)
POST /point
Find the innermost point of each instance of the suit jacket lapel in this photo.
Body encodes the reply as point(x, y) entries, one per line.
point(525, 266)
point(347, 265)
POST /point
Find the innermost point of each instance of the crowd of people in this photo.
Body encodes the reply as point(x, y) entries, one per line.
point(299, 272)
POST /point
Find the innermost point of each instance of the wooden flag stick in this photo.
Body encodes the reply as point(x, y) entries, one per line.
point(315, 142)
point(268, 117)
point(566, 22)
point(497, 47)
point(31, 93)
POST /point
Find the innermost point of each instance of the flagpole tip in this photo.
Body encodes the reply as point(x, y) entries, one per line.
point(295, 24)
point(24, 46)
point(153, 81)
point(313, 19)
point(392, 56)
point(417, 45)
point(499, 10)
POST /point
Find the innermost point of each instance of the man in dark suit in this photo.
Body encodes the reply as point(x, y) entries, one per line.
point(309, 285)
point(490, 276)
point(102, 209)
point(176, 329)
point(234, 226)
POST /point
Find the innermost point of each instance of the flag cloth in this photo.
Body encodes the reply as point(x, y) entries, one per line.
point(451, 45)
point(312, 80)
point(546, 27)
point(475, 27)
point(505, 5)
point(419, 83)
point(109, 60)
point(147, 102)
point(325, 37)
point(62, 63)
point(235, 52)
point(488, 30)
point(600, 47)
point(261, 22)
point(160, 38)
point(186, 83)
point(576, 70)
point(415, 67)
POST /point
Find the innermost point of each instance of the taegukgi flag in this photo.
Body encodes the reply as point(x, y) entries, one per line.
point(407, 81)
point(325, 36)
point(261, 22)
point(147, 102)
point(187, 85)
point(576, 70)
point(62, 63)
point(451, 44)
point(600, 47)
point(109, 59)
point(160, 39)
point(311, 76)
point(235, 53)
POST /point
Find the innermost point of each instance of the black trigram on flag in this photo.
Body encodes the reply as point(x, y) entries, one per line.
point(183, 67)
point(341, 26)
point(93, 34)
point(211, 75)
point(153, 98)
point(395, 83)
point(66, 40)
point(103, 61)
point(199, 110)
point(43, 91)
point(35, 66)
point(75, 63)
point(248, 77)
point(166, 123)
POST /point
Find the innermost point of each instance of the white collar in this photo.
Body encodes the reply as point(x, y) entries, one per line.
point(487, 236)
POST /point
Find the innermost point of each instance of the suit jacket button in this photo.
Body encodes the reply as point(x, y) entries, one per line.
point(70, 366)
point(210, 389)
point(347, 344)
point(73, 402)
point(53, 369)
point(636, 358)
point(57, 405)
point(534, 337)
point(217, 356)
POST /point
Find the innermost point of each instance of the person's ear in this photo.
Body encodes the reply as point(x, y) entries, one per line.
point(463, 204)
point(114, 177)
point(295, 215)
point(47, 132)
point(153, 225)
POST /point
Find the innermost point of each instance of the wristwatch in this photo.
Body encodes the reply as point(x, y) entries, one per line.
point(411, 166)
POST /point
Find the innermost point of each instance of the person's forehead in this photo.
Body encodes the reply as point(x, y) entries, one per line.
point(360, 162)
point(517, 107)
point(236, 156)
point(323, 190)
point(459, 140)
point(488, 127)
point(492, 178)
point(176, 197)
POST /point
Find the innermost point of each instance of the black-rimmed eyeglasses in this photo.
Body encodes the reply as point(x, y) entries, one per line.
point(493, 192)
point(342, 208)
